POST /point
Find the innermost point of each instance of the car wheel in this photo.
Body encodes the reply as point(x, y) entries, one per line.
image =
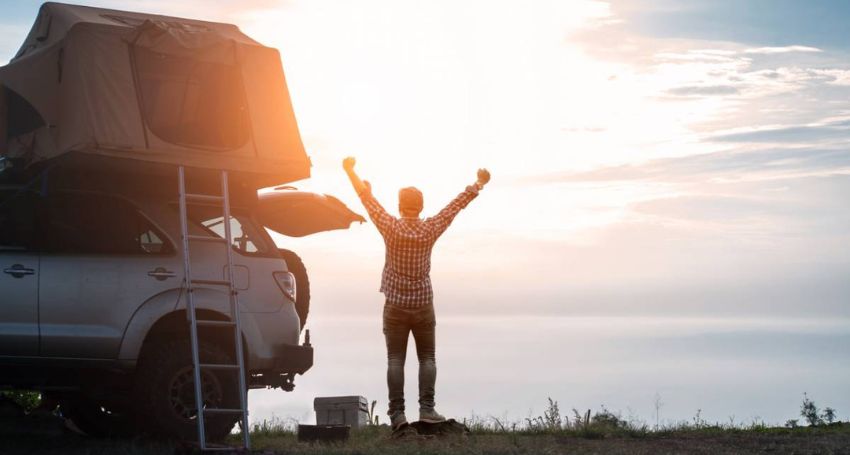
point(166, 389)
point(97, 420)
point(302, 283)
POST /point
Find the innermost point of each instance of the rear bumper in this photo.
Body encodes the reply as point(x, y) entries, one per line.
point(293, 359)
point(290, 360)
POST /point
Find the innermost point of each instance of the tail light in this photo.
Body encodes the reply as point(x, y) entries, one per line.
point(286, 282)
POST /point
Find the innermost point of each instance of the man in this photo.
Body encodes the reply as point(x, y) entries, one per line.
point(406, 284)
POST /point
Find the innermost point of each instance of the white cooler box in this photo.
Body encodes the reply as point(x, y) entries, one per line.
point(350, 410)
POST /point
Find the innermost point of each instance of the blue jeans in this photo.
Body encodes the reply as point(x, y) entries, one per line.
point(398, 324)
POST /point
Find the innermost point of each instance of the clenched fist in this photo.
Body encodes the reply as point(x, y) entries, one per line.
point(483, 176)
point(348, 163)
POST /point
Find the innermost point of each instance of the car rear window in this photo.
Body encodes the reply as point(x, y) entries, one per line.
point(246, 237)
point(89, 223)
point(17, 220)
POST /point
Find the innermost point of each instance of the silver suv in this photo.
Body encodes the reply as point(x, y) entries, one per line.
point(93, 304)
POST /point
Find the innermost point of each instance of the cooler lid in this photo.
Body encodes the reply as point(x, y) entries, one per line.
point(325, 402)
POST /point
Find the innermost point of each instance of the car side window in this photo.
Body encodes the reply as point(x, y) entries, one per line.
point(242, 239)
point(246, 238)
point(17, 221)
point(85, 223)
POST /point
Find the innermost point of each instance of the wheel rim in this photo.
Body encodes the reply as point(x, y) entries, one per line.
point(181, 393)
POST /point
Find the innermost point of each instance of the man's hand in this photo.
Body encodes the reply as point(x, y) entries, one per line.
point(483, 177)
point(359, 186)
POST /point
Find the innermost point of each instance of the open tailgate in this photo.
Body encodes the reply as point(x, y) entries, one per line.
point(299, 213)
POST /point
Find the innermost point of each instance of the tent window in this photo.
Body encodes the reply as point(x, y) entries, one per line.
point(192, 102)
point(21, 116)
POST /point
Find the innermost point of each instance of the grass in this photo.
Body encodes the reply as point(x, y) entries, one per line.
point(581, 432)
point(550, 433)
point(485, 439)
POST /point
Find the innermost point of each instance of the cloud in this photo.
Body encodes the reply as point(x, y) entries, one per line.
point(702, 207)
point(770, 23)
point(735, 80)
point(793, 134)
point(752, 165)
point(833, 76)
point(781, 50)
point(704, 90)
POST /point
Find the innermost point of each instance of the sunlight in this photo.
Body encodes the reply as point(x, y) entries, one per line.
point(425, 94)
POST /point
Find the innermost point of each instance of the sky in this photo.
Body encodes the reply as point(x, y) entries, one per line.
point(680, 160)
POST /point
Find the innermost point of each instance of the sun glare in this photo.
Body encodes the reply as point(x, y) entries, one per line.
point(423, 94)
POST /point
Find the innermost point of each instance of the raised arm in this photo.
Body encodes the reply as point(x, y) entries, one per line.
point(348, 166)
point(441, 221)
point(383, 220)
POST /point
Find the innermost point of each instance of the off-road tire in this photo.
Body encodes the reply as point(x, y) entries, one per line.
point(95, 420)
point(302, 283)
point(164, 386)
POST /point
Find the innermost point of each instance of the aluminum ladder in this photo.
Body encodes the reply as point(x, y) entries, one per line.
point(189, 283)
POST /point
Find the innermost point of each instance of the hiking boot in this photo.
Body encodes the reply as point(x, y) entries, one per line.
point(397, 420)
point(429, 415)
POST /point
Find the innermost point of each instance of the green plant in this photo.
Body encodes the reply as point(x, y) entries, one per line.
point(658, 405)
point(274, 426)
point(814, 416)
point(373, 419)
point(26, 399)
point(809, 411)
point(551, 420)
point(828, 415)
point(608, 420)
point(552, 416)
point(791, 423)
point(699, 422)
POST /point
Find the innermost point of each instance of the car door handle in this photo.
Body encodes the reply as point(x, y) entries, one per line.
point(160, 273)
point(18, 271)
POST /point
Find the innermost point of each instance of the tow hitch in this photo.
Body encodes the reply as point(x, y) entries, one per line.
point(292, 360)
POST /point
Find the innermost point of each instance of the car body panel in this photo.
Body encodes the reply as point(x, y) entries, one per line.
point(86, 301)
point(19, 304)
point(98, 309)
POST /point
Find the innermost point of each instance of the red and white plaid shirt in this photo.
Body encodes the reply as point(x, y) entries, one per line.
point(406, 280)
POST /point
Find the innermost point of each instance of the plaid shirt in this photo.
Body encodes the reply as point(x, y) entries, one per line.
point(406, 280)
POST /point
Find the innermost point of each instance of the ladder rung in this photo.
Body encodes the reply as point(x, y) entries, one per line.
point(210, 323)
point(222, 201)
point(212, 282)
point(203, 198)
point(222, 411)
point(219, 366)
point(206, 238)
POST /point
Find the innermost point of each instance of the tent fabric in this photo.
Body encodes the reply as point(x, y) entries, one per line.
point(55, 20)
point(154, 88)
point(204, 45)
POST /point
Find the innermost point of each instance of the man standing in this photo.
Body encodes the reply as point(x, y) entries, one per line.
point(406, 284)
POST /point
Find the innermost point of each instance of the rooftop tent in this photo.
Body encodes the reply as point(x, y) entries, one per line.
point(158, 89)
